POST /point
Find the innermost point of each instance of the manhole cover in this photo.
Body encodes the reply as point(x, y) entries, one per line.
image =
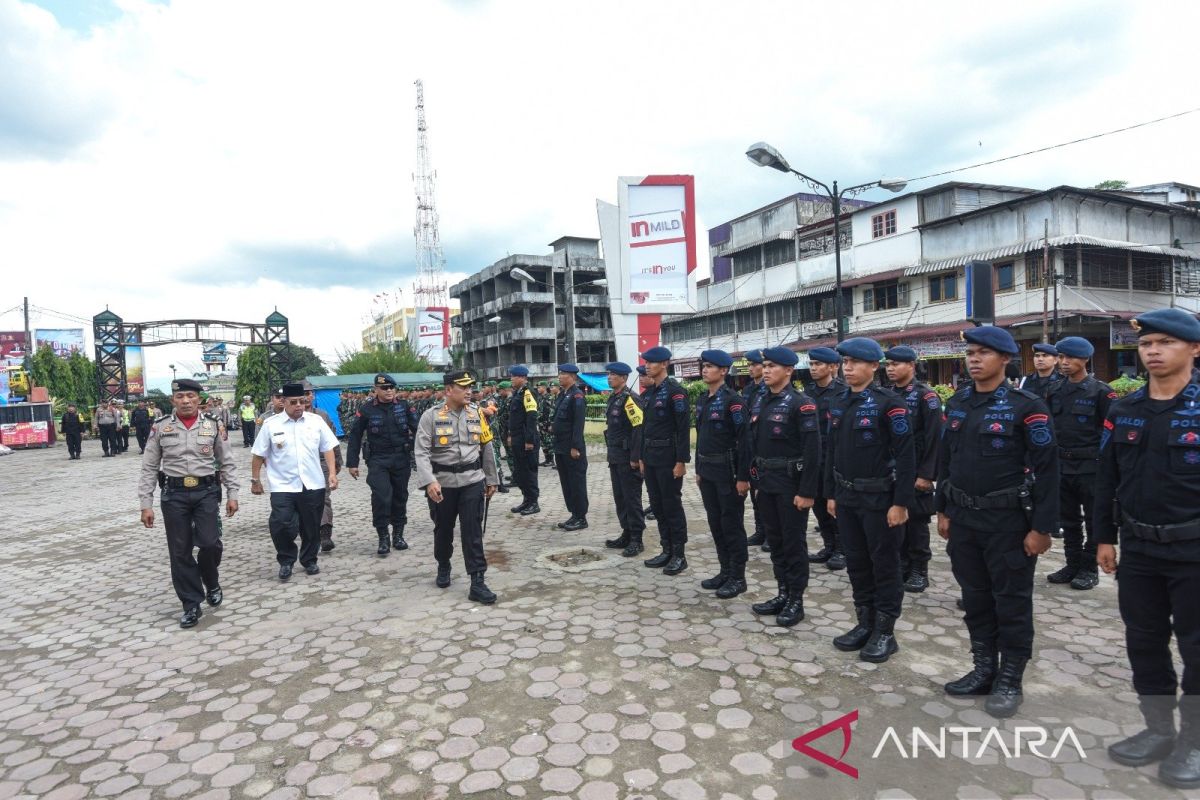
point(573, 559)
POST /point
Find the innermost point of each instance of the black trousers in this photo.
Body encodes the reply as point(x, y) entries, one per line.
point(1157, 597)
point(627, 496)
point(123, 436)
point(525, 472)
point(74, 443)
point(914, 551)
point(464, 505)
point(142, 435)
point(248, 432)
point(108, 439)
point(666, 501)
point(292, 513)
point(726, 512)
point(387, 475)
point(996, 578)
point(758, 528)
point(872, 558)
point(572, 475)
point(1076, 495)
point(784, 526)
point(191, 519)
point(826, 524)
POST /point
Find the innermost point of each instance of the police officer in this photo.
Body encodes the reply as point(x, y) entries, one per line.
point(72, 429)
point(665, 450)
point(523, 440)
point(925, 415)
point(785, 467)
point(749, 394)
point(1150, 464)
point(644, 387)
point(872, 472)
point(995, 518)
point(1045, 370)
point(457, 472)
point(825, 388)
point(570, 452)
point(723, 471)
point(622, 423)
point(389, 425)
point(107, 418)
point(1078, 405)
point(183, 454)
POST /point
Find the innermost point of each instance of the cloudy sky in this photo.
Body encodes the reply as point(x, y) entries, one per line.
point(219, 158)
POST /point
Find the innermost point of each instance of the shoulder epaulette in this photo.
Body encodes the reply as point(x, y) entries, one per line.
point(1024, 393)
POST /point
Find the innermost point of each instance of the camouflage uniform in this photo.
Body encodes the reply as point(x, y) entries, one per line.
point(549, 402)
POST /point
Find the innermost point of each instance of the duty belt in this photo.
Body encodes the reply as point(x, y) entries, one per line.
point(1164, 534)
point(191, 481)
point(778, 463)
point(1011, 497)
point(1079, 453)
point(476, 464)
point(865, 484)
point(660, 442)
point(722, 458)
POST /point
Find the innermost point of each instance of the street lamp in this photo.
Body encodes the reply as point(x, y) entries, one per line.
point(764, 155)
point(172, 366)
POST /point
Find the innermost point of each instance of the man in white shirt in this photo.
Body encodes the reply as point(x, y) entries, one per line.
point(292, 445)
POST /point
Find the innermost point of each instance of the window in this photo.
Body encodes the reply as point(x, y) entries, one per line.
point(781, 314)
point(776, 253)
point(1004, 279)
point(720, 325)
point(1187, 276)
point(883, 224)
point(1151, 272)
point(1034, 269)
point(943, 287)
point(883, 296)
point(1105, 270)
point(685, 330)
point(746, 262)
point(821, 243)
point(750, 319)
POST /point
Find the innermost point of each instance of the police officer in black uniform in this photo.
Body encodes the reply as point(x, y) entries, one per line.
point(997, 501)
point(1078, 405)
point(872, 470)
point(723, 471)
point(666, 447)
point(925, 414)
point(825, 388)
point(523, 440)
point(750, 393)
point(644, 390)
point(570, 452)
point(1150, 464)
point(622, 423)
point(785, 467)
point(390, 426)
point(1045, 370)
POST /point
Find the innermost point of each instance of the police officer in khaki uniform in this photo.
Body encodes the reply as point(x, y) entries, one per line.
point(107, 419)
point(183, 454)
point(457, 472)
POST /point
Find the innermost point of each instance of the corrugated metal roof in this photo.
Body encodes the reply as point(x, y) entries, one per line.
point(1037, 244)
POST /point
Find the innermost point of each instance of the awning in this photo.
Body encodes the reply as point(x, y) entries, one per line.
point(1055, 242)
point(598, 381)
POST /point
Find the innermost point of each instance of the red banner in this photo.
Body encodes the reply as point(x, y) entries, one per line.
point(24, 434)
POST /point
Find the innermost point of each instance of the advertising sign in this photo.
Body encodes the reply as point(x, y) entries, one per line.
point(1122, 336)
point(24, 434)
point(430, 336)
point(213, 354)
point(135, 372)
point(64, 341)
point(658, 244)
point(12, 348)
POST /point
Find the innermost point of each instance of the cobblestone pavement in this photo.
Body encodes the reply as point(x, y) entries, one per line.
point(615, 682)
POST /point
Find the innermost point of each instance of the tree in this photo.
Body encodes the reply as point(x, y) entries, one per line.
point(253, 373)
point(50, 371)
point(86, 378)
point(382, 359)
point(304, 362)
point(157, 397)
point(1111, 185)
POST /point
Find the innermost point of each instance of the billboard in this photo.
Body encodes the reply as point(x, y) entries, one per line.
point(12, 348)
point(658, 244)
point(64, 341)
point(135, 372)
point(215, 354)
point(430, 334)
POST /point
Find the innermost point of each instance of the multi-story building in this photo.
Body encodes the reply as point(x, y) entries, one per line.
point(1109, 255)
point(540, 311)
point(394, 328)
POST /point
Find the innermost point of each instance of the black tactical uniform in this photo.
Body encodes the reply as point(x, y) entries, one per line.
point(786, 463)
point(567, 429)
point(925, 414)
point(141, 421)
point(750, 393)
point(72, 429)
point(1078, 411)
point(623, 423)
point(722, 459)
point(870, 468)
point(665, 442)
point(830, 554)
point(522, 431)
point(1038, 385)
point(390, 430)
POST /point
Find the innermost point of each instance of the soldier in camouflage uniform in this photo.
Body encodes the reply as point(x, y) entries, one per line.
point(502, 401)
point(549, 403)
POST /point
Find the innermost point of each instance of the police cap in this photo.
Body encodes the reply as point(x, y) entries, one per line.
point(783, 356)
point(519, 371)
point(1045, 347)
point(754, 356)
point(861, 348)
point(459, 377)
point(186, 385)
point(900, 352)
point(718, 358)
point(568, 368)
point(657, 354)
point(1075, 347)
point(826, 355)
point(1170, 321)
point(991, 337)
point(384, 380)
point(618, 368)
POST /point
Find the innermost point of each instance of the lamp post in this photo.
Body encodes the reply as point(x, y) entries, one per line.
point(764, 155)
point(172, 366)
point(516, 273)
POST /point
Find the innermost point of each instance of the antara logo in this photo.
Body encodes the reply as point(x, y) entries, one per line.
point(643, 228)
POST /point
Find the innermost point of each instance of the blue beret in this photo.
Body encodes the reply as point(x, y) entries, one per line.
point(657, 354)
point(754, 356)
point(1171, 321)
point(571, 368)
point(381, 379)
point(519, 371)
point(1042, 347)
point(826, 355)
point(641, 370)
point(862, 348)
point(718, 358)
point(990, 336)
point(1075, 347)
point(780, 355)
point(618, 368)
point(900, 353)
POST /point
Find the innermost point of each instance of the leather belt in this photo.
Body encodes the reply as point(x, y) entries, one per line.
point(1163, 534)
point(660, 442)
point(191, 481)
point(476, 464)
point(877, 485)
point(778, 463)
point(1004, 498)
point(722, 458)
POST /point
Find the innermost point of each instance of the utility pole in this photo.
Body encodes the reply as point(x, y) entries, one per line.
point(28, 340)
point(569, 298)
point(1046, 280)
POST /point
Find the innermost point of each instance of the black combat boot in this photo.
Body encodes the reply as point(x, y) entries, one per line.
point(327, 538)
point(634, 547)
point(774, 605)
point(517, 509)
point(1155, 742)
point(882, 644)
point(648, 513)
point(1181, 769)
point(821, 556)
point(718, 580)
point(735, 584)
point(383, 542)
point(856, 637)
point(756, 539)
point(1069, 571)
point(793, 611)
point(661, 559)
point(1088, 577)
point(443, 576)
point(677, 564)
point(480, 593)
point(918, 580)
point(620, 543)
point(1006, 696)
point(837, 560)
point(398, 542)
point(979, 679)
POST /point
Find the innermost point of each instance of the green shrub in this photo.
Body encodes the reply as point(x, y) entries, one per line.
point(1125, 385)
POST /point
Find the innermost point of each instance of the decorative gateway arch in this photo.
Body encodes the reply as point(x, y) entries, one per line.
point(113, 335)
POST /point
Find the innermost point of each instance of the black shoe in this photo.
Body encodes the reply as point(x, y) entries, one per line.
point(1181, 769)
point(1155, 742)
point(715, 582)
point(285, 571)
point(918, 581)
point(384, 548)
point(765, 547)
point(532, 508)
point(1086, 579)
point(856, 637)
point(1064, 575)
point(480, 592)
point(398, 542)
point(577, 525)
point(792, 612)
point(756, 539)
point(821, 556)
point(1006, 694)
point(837, 560)
point(648, 513)
point(773, 606)
point(882, 644)
point(327, 540)
point(517, 509)
point(312, 569)
point(731, 588)
point(959, 603)
point(502, 489)
point(443, 576)
point(676, 565)
point(979, 680)
point(619, 543)
point(190, 617)
point(659, 560)
point(634, 547)
point(215, 596)
point(1056, 533)
point(563, 525)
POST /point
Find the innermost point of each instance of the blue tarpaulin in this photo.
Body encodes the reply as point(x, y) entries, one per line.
point(598, 381)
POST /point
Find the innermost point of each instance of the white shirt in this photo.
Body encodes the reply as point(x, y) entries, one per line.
point(292, 450)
